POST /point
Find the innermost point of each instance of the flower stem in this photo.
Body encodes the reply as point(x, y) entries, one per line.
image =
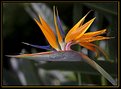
point(79, 78)
point(103, 81)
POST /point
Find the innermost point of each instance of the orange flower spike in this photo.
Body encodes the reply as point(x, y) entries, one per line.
point(91, 34)
point(80, 31)
point(46, 26)
point(50, 38)
point(91, 39)
point(74, 28)
point(86, 45)
point(60, 40)
point(101, 50)
point(97, 38)
point(83, 29)
point(89, 46)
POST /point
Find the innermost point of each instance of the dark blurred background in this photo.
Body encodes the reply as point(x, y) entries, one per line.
point(18, 25)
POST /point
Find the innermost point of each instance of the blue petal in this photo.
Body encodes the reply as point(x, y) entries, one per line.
point(37, 46)
point(60, 26)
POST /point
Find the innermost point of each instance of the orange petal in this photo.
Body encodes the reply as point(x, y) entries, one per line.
point(46, 26)
point(91, 34)
point(60, 40)
point(91, 39)
point(80, 31)
point(48, 34)
point(75, 27)
point(101, 50)
point(86, 45)
point(83, 28)
point(89, 46)
point(97, 38)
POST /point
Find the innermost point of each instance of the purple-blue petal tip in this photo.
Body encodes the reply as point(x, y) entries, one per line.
point(38, 46)
point(60, 26)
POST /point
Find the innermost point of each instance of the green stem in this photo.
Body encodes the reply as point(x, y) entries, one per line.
point(103, 81)
point(79, 78)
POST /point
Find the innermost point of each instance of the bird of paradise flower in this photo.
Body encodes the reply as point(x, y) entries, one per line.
point(62, 43)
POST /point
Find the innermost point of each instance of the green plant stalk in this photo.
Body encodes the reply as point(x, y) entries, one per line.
point(79, 78)
point(103, 81)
